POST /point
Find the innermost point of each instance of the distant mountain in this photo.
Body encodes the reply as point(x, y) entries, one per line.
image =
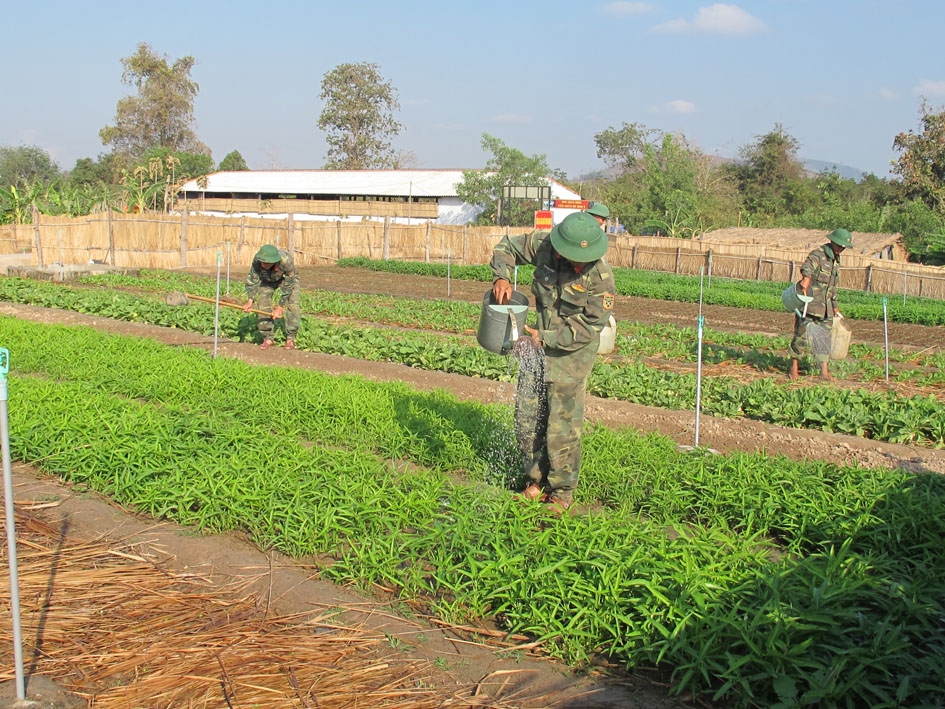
point(845, 171)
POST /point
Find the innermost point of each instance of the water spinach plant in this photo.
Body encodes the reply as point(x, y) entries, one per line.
point(753, 581)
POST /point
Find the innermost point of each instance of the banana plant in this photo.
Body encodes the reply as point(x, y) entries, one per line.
point(16, 206)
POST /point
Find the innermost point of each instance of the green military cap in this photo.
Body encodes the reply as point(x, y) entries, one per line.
point(841, 237)
point(268, 254)
point(579, 238)
point(599, 209)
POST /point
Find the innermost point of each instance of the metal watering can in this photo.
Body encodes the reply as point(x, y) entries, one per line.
point(501, 325)
point(795, 302)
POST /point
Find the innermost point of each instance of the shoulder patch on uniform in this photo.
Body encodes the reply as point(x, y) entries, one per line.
point(577, 287)
point(608, 301)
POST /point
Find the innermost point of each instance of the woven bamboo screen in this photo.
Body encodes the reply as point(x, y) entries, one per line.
point(188, 241)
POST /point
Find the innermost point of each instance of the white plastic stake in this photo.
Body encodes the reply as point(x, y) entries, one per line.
point(216, 308)
point(228, 268)
point(448, 284)
point(886, 338)
point(700, 321)
point(11, 527)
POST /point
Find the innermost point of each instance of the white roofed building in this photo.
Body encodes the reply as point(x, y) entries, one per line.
point(404, 196)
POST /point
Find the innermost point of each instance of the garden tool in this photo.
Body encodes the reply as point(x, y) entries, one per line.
point(177, 298)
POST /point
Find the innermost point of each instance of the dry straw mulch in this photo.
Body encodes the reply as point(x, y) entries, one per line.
point(120, 631)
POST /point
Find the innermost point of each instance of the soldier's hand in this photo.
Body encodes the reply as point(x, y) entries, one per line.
point(502, 291)
point(536, 341)
point(248, 306)
point(277, 311)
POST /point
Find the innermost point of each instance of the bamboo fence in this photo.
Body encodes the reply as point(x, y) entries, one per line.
point(197, 241)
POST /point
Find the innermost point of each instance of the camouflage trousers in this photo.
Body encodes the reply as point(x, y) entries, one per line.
point(293, 312)
point(549, 418)
point(799, 343)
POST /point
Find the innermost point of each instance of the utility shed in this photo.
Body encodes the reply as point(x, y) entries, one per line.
point(402, 196)
point(889, 247)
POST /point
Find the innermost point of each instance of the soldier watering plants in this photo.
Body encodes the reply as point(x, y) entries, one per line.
point(274, 269)
point(574, 294)
point(600, 212)
point(820, 275)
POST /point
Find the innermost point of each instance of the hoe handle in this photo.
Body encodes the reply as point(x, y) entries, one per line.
point(228, 305)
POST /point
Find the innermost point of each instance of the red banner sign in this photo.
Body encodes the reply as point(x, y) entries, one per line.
point(572, 203)
point(543, 220)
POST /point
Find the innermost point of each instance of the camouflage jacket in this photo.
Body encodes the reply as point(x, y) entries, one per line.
point(823, 268)
point(283, 276)
point(572, 307)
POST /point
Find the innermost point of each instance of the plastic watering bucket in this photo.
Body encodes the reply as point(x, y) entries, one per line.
point(795, 302)
point(501, 325)
point(608, 337)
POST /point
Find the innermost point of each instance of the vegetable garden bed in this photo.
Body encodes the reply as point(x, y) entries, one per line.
point(755, 578)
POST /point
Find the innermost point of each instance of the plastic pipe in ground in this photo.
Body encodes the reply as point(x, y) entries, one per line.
point(11, 527)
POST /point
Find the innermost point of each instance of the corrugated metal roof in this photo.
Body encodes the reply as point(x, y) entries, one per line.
point(387, 183)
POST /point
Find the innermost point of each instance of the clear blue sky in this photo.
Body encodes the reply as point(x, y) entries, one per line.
point(842, 76)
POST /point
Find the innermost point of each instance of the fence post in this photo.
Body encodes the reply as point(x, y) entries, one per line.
point(36, 238)
point(338, 237)
point(239, 244)
point(708, 266)
point(111, 239)
point(869, 277)
point(386, 252)
point(290, 231)
point(633, 256)
point(678, 258)
point(758, 273)
point(183, 239)
point(465, 253)
point(904, 285)
point(426, 247)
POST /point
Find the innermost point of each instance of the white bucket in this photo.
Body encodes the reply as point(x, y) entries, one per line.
point(839, 340)
point(608, 337)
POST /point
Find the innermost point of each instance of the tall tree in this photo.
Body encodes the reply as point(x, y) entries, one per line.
point(233, 162)
point(104, 170)
point(625, 147)
point(663, 183)
point(358, 118)
point(161, 115)
point(921, 164)
point(26, 164)
point(769, 176)
point(506, 167)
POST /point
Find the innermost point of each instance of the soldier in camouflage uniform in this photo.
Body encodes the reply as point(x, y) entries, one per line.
point(574, 294)
point(274, 268)
point(600, 212)
point(820, 275)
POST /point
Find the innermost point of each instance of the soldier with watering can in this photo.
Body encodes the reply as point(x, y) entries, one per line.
point(574, 291)
point(820, 275)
